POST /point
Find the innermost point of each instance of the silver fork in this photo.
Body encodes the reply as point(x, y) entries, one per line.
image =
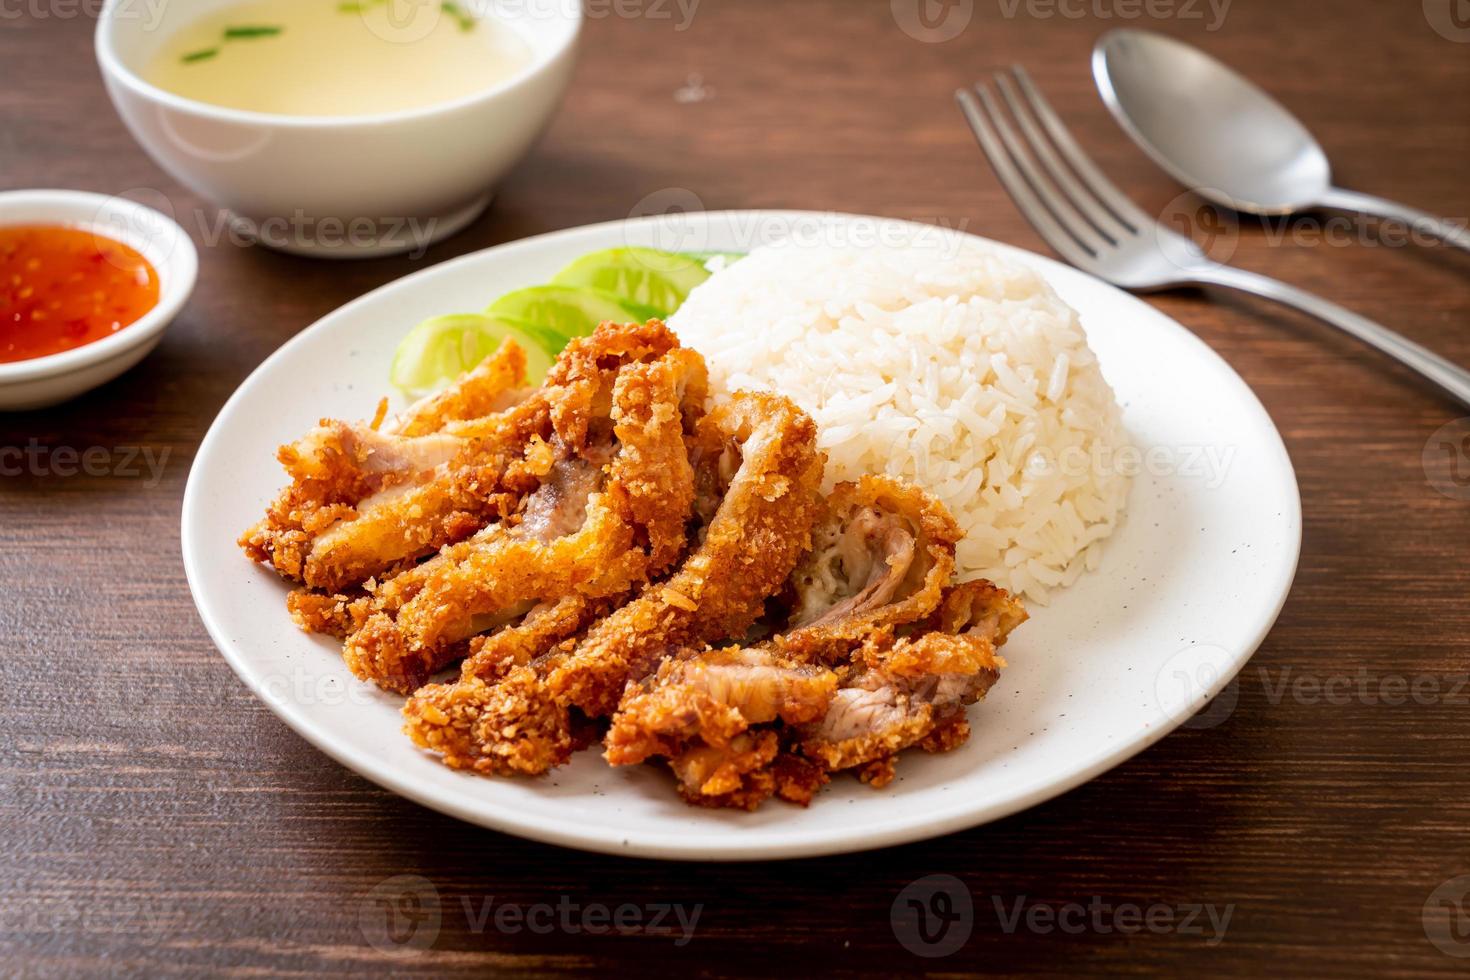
point(1094, 226)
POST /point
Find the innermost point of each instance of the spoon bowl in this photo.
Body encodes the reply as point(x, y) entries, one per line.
point(1208, 126)
point(1224, 137)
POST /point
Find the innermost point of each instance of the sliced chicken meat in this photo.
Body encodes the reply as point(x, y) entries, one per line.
point(713, 696)
point(592, 528)
point(881, 556)
point(900, 690)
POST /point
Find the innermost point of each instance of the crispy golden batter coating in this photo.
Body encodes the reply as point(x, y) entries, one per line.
point(590, 549)
point(500, 728)
point(737, 774)
point(362, 500)
point(403, 523)
point(495, 385)
point(705, 710)
point(753, 540)
point(333, 468)
point(901, 691)
point(762, 526)
point(333, 614)
point(714, 696)
point(591, 529)
point(498, 691)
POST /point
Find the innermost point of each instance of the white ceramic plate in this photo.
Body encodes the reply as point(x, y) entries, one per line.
point(1188, 588)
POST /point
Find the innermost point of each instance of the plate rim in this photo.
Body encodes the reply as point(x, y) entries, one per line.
point(571, 833)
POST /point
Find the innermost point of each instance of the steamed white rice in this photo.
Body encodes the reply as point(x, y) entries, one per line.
point(944, 364)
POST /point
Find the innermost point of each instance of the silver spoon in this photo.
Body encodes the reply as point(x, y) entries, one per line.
point(1225, 138)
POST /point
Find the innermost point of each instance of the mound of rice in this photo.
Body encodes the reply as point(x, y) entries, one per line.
point(942, 363)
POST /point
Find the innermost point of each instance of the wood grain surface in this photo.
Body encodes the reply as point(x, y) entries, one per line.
point(156, 819)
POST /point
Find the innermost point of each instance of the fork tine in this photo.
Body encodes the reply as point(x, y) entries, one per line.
point(1046, 190)
point(1084, 200)
point(1045, 223)
point(1118, 203)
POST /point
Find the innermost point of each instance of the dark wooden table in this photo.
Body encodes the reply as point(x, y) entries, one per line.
point(156, 819)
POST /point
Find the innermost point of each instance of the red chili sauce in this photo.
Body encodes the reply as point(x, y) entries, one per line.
point(61, 288)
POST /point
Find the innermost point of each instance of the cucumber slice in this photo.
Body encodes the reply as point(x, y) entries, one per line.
point(442, 348)
point(566, 311)
point(647, 277)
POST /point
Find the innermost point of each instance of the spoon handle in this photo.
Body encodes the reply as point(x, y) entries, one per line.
point(1446, 375)
point(1345, 200)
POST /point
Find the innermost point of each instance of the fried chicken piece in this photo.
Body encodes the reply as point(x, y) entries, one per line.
point(798, 779)
point(497, 692)
point(901, 690)
point(978, 607)
point(361, 500)
point(882, 555)
point(753, 539)
point(496, 385)
point(737, 774)
point(405, 522)
point(760, 529)
point(626, 518)
point(705, 710)
point(699, 710)
point(714, 695)
point(333, 468)
point(879, 772)
point(334, 614)
point(745, 773)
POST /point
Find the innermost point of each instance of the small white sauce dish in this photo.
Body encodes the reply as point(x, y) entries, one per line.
point(342, 186)
point(44, 381)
